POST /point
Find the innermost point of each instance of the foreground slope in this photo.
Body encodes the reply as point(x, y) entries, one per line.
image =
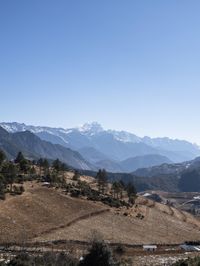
point(38, 210)
point(146, 223)
point(47, 214)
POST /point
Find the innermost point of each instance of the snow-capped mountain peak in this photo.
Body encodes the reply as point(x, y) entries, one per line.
point(13, 127)
point(124, 136)
point(91, 128)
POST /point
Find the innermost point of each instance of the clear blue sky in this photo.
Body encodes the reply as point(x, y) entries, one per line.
point(128, 64)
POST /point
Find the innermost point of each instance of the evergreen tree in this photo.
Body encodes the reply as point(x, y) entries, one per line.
point(131, 192)
point(117, 189)
point(24, 165)
point(102, 180)
point(9, 170)
point(2, 187)
point(40, 162)
point(19, 158)
point(57, 165)
point(45, 165)
point(130, 189)
point(2, 157)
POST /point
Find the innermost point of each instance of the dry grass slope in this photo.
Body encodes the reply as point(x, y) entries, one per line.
point(39, 210)
point(42, 214)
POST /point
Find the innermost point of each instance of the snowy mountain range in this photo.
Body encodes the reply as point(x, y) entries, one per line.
point(114, 150)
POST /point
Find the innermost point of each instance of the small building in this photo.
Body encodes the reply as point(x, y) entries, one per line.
point(149, 248)
point(187, 247)
point(46, 184)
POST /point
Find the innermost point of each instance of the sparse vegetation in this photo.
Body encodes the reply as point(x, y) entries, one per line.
point(99, 255)
point(21, 170)
point(47, 259)
point(83, 189)
point(188, 262)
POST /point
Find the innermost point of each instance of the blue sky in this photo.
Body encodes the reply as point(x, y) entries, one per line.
point(131, 65)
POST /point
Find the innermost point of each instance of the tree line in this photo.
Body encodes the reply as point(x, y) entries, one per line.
point(117, 188)
point(21, 169)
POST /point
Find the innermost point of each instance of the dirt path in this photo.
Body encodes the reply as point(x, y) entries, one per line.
point(75, 220)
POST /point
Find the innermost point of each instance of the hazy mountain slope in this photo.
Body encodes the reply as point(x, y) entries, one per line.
point(33, 147)
point(171, 144)
point(183, 177)
point(6, 144)
point(111, 166)
point(165, 183)
point(180, 177)
point(132, 164)
point(92, 155)
point(52, 138)
point(119, 150)
point(29, 142)
point(177, 156)
point(162, 170)
point(174, 169)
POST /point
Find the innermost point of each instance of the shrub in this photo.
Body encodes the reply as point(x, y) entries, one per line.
point(17, 190)
point(2, 196)
point(76, 176)
point(120, 249)
point(99, 255)
point(75, 193)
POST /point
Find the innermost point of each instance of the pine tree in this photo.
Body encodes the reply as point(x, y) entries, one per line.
point(57, 165)
point(131, 191)
point(19, 158)
point(117, 189)
point(2, 157)
point(9, 170)
point(102, 180)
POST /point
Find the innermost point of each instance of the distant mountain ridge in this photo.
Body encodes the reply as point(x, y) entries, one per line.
point(110, 147)
point(144, 161)
point(33, 148)
point(131, 164)
point(179, 177)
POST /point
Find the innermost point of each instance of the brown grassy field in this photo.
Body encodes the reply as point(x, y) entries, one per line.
point(46, 214)
point(159, 225)
point(39, 210)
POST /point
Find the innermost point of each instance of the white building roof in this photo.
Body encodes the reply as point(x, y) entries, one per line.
point(149, 246)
